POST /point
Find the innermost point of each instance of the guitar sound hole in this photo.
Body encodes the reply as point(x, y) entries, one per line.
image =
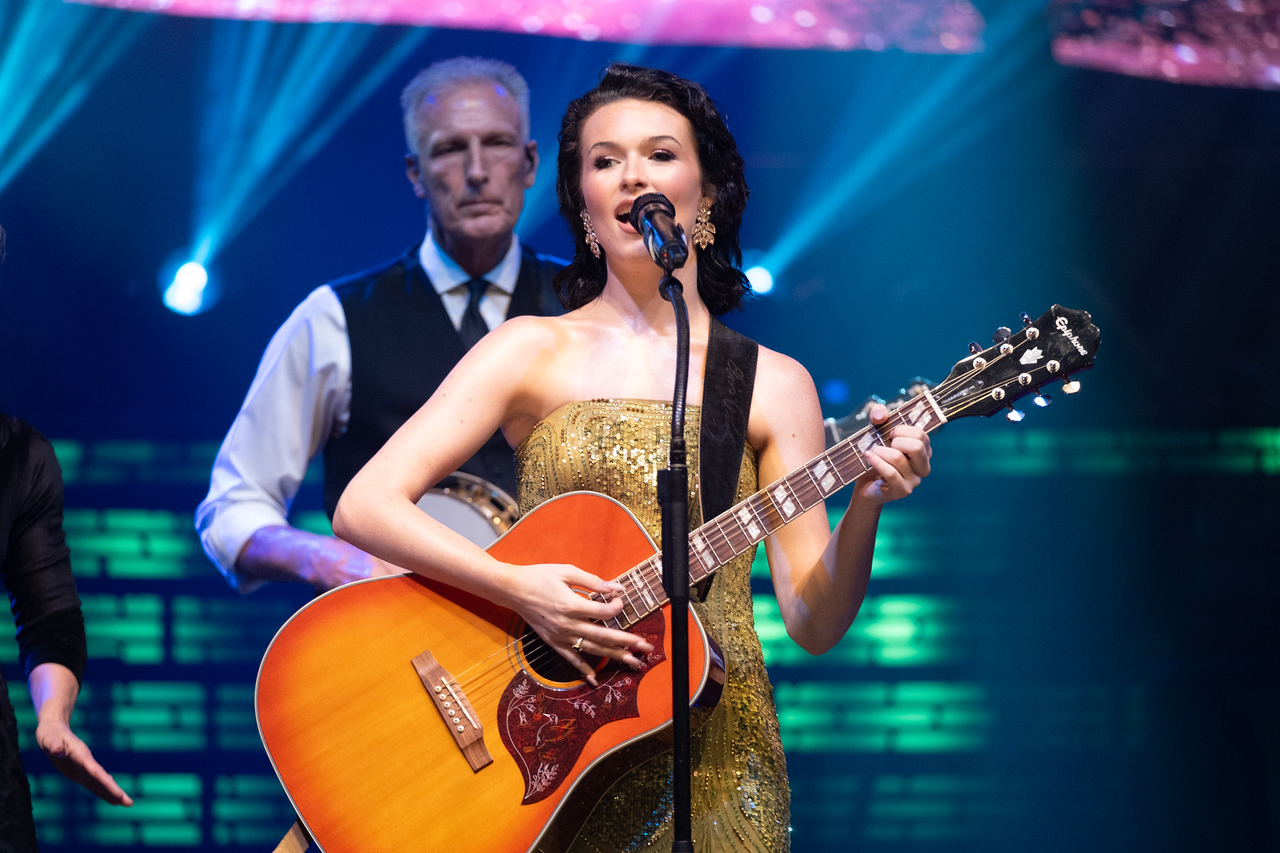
point(547, 663)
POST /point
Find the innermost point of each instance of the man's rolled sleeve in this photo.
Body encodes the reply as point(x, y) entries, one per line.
point(300, 397)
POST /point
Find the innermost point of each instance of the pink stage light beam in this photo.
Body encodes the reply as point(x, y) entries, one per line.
point(915, 26)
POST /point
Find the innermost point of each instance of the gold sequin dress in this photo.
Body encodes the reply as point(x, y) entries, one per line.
point(740, 797)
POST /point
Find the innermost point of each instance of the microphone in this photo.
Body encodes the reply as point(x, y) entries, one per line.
point(654, 218)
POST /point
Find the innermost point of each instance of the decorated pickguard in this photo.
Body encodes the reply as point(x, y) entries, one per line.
point(545, 729)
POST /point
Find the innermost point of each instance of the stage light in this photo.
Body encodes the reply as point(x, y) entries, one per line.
point(270, 108)
point(188, 284)
point(186, 293)
point(761, 279)
point(50, 56)
point(901, 123)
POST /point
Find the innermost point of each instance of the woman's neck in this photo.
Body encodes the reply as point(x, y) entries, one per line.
point(631, 294)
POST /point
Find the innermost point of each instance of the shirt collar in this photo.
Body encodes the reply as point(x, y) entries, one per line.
point(445, 273)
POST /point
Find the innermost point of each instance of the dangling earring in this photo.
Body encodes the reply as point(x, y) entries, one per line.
point(704, 233)
point(591, 234)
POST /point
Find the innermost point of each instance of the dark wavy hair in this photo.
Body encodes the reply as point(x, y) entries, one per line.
point(721, 283)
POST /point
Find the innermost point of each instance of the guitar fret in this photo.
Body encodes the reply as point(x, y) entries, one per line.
point(835, 469)
point(813, 481)
point(822, 478)
point(802, 488)
point(646, 594)
point(697, 574)
point(705, 550)
point(919, 411)
point(741, 531)
point(758, 508)
point(653, 567)
point(868, 438)
point(725, 536)
point(782, 499)
point(849, 450)
point(750, 523)
point(654, 564)
point(624, 579)
point(771, 512)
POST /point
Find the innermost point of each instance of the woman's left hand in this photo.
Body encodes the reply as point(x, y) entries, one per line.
point(898, 466)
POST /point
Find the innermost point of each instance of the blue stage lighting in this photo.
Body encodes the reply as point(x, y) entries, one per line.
point(186, 293)
point(270, 107)
point(761, 279)
point(50, 56)
point(835, 391)
point(904, 121)
point(187, 284)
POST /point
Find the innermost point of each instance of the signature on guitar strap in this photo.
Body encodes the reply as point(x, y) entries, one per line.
point(728, 380)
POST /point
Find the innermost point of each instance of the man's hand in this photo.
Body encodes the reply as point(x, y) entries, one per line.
point(54, 689)
point(73, 759)
point(281, 553)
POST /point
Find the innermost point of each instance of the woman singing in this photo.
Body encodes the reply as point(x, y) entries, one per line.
point(582, 398)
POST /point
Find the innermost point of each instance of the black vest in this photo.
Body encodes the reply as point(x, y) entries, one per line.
point(403, 345)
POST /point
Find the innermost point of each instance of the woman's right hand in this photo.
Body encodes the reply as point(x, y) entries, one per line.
point(549, 598)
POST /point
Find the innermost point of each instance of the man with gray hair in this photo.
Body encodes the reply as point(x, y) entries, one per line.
point(362, 354)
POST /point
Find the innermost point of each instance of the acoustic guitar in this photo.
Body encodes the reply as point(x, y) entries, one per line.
point(402, 714)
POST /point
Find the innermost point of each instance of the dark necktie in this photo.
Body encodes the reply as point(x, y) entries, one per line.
point(473, 326)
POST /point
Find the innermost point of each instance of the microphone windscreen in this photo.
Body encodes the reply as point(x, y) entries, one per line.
point(639, 206)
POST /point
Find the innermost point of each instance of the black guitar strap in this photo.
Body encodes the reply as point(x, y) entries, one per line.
point(728, 381)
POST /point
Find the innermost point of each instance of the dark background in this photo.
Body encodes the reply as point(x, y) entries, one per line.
point(1115, 608)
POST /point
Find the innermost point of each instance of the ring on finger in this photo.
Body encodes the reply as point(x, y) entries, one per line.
point(577, 647)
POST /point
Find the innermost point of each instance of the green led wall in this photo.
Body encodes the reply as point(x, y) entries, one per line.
point(173, 652)
point(1026, 451)
point(875, 716)
point(894, 807)
point(170, 810)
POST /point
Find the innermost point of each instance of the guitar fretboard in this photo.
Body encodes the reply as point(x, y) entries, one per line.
point(746, 524)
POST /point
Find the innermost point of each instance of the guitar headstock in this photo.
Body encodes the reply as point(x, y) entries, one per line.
point(1050, 349)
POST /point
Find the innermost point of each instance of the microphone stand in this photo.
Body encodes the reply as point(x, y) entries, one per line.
point(673, 502)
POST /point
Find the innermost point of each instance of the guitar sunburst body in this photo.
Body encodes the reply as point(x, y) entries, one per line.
point(364, 753)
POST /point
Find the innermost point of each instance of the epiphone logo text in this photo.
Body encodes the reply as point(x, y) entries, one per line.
point(1064, 326)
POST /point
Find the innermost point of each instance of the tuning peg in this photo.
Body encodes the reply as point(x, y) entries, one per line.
point(1002, 334)
point(1026, 318)
point(1042, 399)
point(974, 347)
point(1014, 415)
point(1069, 385)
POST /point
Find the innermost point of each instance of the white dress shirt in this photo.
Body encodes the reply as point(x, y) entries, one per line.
point(300, 398)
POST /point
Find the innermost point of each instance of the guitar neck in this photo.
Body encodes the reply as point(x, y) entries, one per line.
point(1061, 342)
point(746, 524)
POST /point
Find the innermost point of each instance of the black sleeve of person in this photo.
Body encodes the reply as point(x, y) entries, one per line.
point(37, 563)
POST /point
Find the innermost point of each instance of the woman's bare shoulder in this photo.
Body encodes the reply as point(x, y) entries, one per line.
point(784, 403)
point(529, 333)
point(777, 372)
